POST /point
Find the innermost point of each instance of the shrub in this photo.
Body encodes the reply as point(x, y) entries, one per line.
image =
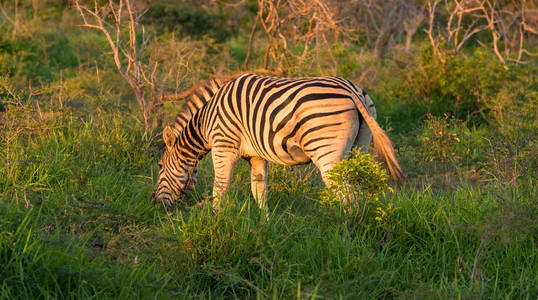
point(441, 139)
point(512, 147)
point(357, 178)
point(188, 19)
point(460, 84)
point(40, 58)
point(414, 85)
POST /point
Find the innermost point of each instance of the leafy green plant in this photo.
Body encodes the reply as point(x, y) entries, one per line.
point(441, 139)
point(459, 85)
point(355, 179)
point(513, 146)
point(188, 20)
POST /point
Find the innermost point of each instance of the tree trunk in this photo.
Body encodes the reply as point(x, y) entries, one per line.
point(381, 42)
point(385, 32)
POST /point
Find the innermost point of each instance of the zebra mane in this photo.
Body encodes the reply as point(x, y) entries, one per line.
point(196, 96)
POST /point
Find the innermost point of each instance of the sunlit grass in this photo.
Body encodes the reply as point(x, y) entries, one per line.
point(91, 230)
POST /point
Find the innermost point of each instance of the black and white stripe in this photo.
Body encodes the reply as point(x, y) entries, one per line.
point(286, 121)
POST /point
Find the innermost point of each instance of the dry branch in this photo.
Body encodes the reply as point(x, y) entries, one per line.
point(281, 22)
point(505, 22)
point(127, 49)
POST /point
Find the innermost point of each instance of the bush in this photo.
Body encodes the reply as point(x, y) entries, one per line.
point(41, 57)
point(441, 140)
point(414, 85)
point(460, 84)
point(188, 19)
point(357, 178)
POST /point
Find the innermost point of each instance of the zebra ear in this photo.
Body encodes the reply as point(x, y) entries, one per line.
point(168, 137)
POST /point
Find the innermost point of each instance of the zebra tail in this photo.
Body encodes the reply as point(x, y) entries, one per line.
point(382, 144)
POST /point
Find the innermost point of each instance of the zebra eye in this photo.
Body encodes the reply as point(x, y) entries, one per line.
point(160, 165)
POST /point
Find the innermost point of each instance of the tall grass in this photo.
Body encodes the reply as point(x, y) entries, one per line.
point(91, 230)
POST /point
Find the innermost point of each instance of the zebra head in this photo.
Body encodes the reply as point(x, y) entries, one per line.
point(177, 171)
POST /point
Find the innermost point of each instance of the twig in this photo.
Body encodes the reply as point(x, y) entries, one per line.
point(251, 37)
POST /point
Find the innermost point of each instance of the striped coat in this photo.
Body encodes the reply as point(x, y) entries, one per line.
point(287, 121)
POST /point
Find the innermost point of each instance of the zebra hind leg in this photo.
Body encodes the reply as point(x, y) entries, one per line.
point(325, 163)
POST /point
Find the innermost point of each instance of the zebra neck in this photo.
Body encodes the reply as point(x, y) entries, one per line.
point(192, 143)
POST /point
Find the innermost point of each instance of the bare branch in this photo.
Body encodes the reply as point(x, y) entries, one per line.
point(128, 58)
point(315, 15)
point(467, 18)
point(429, 31)
point(251, 37)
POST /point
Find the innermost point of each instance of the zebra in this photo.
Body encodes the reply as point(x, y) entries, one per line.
point(287, 121)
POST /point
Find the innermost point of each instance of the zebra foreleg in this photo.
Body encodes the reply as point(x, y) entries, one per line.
point(258, 180)
point(223, 163)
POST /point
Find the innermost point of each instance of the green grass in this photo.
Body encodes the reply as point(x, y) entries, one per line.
point(76, 174)
point(92, 231)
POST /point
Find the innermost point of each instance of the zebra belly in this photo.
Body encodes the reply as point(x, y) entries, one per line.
point(297, 155)
point(293, 156)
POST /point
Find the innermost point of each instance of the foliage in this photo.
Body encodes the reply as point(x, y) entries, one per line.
point(358, 175)
point(460, 85)
point(442, 139)
point(357, 180)
point(187, 20)
point(38, 58)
